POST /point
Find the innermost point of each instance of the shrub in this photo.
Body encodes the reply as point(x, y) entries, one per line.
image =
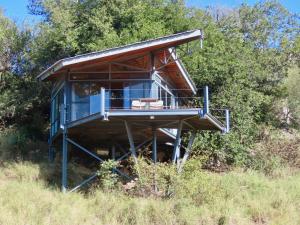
point(277, 149)
point(108, 179)
point(15, 144)
point(160, 179)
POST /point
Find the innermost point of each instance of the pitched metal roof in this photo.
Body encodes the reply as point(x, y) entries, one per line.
point(149, 45)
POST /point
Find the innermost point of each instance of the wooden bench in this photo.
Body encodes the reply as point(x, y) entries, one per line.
point(147, 103)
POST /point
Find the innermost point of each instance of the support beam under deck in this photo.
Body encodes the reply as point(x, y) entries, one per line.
point(187, 151)
point(131, 142)
point(64, 163)
point(176, 151)
point(154, 145)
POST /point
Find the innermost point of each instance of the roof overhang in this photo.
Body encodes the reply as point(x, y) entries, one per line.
point(144, 46)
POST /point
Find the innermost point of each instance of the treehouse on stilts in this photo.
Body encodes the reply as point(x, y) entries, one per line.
point(124, 98)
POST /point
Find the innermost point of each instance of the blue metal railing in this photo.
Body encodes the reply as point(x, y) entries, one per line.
point(113, 99)
point(106, 101)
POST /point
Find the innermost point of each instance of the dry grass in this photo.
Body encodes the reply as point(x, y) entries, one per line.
point(206, 198)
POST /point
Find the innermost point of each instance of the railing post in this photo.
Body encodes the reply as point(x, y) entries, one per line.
point(206, 101)
point(102, 103)
point(227, 117)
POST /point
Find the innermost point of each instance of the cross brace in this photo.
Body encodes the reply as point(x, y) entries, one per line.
point(95, 157)
point(127, 154)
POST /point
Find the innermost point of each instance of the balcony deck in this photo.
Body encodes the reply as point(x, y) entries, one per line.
point(97, 129)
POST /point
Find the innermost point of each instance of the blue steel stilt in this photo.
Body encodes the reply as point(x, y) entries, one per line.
point(187, 151)
point(64, 163)
point(113, 152)
point(131, 142)
point(63, 121)
point(154, 145)
point(51, 152)
point(176, 151)
point(154, 155)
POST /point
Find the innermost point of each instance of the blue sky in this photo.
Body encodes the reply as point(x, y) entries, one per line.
point(17, 10)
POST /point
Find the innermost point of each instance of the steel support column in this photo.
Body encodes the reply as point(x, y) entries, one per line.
point(187, 151)
point(64, 163)
point(154, 145)
point(51, 152)
point(63, 118)
point(131, 142)
point(176, 151)
point(113, 152)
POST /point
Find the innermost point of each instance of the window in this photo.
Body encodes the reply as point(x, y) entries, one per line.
point(80, 100)
point(139, 90)
point(89, 76)
point(95, 97)
point(86, 99)
point(135, 90)
point(56, 104)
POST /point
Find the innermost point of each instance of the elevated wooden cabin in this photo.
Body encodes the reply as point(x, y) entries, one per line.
point(123, 98)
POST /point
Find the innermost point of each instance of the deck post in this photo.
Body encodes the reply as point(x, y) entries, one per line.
point(154, 145)
point(64, 152)
point(64, 163)
point(50, 150)
point(154, 156)
point(187, 151)
point(51, 153)
point(113, 152)
point(227, 116)
point(131, 142)
point(206, 101)
point(176, 151)
point(65, 135)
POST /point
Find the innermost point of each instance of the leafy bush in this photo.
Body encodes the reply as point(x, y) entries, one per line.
point(276, 149)
point(15, 144)
point(158, 179)
point(108, 179)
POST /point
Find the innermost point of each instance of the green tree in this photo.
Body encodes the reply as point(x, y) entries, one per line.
point(246, 55)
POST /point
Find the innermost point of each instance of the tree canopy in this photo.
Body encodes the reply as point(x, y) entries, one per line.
point(245, 60)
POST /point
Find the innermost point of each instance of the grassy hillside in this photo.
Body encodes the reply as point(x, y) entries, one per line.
point(236, 197)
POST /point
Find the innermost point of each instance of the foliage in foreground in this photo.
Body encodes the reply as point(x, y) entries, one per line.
point(237, 197)
point(270, 194)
